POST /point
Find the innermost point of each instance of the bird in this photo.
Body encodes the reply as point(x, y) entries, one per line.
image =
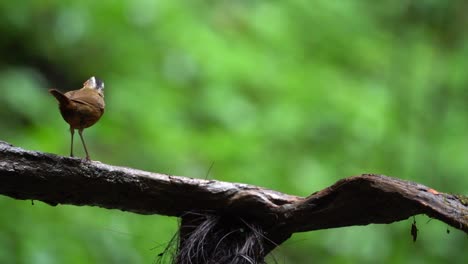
point(81, 108)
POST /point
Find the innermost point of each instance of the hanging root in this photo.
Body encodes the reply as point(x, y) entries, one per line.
point(214, 239)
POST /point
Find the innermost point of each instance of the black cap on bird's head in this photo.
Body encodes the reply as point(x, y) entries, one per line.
point(94, 83)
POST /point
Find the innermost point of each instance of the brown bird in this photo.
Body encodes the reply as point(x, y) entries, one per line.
point(81, 108)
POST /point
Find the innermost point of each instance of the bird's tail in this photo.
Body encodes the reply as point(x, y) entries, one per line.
point(61, 98)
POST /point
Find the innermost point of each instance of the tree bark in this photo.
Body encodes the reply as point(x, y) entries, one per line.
point(360, 200)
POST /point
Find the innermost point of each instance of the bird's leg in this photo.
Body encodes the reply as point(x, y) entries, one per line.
point(80, 131)
point(72, 131)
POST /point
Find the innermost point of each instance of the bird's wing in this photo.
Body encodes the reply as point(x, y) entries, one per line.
point(86, 99)
point(98, 104)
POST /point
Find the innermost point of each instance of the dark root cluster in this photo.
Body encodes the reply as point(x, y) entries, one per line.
point(214, 239)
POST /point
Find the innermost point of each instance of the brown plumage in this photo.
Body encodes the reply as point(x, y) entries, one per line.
point(81, 108)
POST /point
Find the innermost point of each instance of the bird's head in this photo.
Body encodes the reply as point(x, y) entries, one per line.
point(95, 83)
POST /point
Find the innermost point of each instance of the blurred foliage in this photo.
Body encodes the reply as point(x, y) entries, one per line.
point(289, 95)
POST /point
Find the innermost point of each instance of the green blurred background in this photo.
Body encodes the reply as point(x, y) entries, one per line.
point(289, 95)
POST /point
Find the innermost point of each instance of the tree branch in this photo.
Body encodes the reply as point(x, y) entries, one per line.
point(359, 200)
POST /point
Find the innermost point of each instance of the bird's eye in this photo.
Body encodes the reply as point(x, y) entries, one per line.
point(99, 83)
